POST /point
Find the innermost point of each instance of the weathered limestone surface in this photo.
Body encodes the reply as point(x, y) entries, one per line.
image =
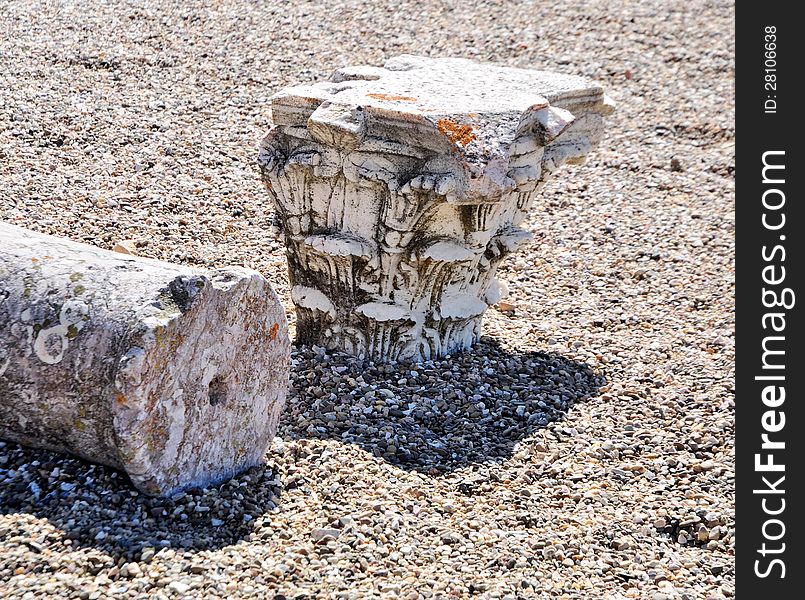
point(401, 189)
point(174, 375)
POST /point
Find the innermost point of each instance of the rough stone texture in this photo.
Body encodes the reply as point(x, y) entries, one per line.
point(402, 188)
point(174, 375)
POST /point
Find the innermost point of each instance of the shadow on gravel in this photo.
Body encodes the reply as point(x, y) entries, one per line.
point(94, 506)
point(437, 416)
point(434, 417)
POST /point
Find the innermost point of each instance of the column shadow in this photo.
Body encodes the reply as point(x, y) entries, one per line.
point(437, 416)
point(94, 506)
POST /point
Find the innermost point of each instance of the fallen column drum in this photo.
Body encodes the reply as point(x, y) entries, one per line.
point(175, 375)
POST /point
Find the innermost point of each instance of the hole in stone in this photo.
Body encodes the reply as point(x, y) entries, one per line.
point(54, 344)
point(217, 392)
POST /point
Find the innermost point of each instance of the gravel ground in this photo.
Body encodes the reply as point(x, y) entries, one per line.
point(583, 450)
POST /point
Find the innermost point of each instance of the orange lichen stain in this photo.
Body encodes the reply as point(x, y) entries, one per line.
point(120, 399)
point(272, 333)
point(456, 132)
point(392, 98)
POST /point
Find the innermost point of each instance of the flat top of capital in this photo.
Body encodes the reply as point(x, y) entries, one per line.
point(415, 86)
point(482, 115)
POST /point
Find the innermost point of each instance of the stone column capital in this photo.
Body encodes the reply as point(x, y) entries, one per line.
point(401, 188)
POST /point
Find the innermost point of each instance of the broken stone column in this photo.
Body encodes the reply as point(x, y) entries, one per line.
point(176, 376)
point(402, 188)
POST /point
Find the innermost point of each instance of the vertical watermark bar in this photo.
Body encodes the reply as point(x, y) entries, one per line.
point(770, 268)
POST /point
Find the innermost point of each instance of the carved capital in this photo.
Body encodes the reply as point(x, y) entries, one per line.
point(401, 189)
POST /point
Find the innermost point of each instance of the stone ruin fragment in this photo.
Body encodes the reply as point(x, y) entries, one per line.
point(402, 188)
